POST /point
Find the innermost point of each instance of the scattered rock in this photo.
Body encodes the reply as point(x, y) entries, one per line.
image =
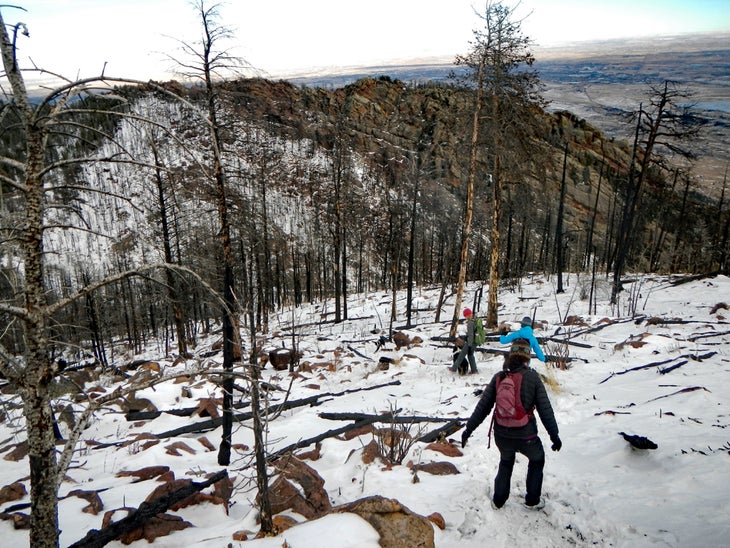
point(19, 519)
point(205, 442)
point(314, 454)
point(448, 449)
point(176, 447)
point(143, 474)
point(207, 407)
point(282, 523)
point(241, 536)
point(14, 491)
point(92, 497)
point(159, 526)
point(437, 468)
point(355, 432)
point(19, 452)
point(438, 520)
point(369, 452)
point(281, 358)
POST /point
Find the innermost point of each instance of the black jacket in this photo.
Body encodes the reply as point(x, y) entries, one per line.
point(532, 394)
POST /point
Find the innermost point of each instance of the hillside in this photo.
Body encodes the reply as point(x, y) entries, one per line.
point(386, 122)
point(655, 366)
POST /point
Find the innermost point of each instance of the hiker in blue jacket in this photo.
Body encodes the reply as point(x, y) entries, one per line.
point(524, 332)
point(518, 439)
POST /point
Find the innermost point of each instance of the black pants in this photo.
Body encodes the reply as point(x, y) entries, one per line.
point(467, 352)
point(508, 448)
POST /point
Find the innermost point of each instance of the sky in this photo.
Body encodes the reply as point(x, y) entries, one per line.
point(287, 37)
point(627, 374)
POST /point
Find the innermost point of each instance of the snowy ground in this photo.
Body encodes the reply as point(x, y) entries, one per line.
point(599, 491)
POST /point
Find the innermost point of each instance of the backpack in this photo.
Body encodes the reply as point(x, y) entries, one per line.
point(479, 335)
point(508, 409)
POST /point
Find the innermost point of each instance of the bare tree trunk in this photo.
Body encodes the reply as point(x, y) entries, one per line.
point(35, 381)
point(492, 303)
point(172, 284)
point(591, 228)
point(469, 210)
point(559, 226)
point(412, 247)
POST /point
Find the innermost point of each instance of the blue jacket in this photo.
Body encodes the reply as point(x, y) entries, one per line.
point(525, 332)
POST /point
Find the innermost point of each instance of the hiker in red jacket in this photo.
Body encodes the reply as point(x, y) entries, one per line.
point(511, 440)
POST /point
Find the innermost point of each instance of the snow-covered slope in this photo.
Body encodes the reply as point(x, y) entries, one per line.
point(599, 491)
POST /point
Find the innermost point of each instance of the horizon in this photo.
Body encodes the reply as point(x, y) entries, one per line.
point(68, 38)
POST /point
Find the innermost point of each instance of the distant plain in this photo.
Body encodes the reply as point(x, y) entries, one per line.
point(604, 82)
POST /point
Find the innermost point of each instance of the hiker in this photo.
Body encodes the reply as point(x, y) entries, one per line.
point(467, 349)
point(517, 439)
point(524, 332)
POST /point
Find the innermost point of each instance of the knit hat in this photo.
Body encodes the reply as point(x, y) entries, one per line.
point(526, 321)
point(467, 312)
point(521, 347)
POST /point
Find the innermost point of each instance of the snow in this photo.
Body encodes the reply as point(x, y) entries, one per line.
point(598, 489)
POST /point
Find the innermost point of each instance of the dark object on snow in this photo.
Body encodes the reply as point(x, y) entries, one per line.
point(639, 442)
point(381, 342)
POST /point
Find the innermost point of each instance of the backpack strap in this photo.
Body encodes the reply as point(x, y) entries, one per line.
point(494, 410)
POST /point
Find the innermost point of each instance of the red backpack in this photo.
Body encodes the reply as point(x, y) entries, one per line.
point(508, 409)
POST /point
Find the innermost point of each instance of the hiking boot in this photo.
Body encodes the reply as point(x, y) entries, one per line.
point(539, 506)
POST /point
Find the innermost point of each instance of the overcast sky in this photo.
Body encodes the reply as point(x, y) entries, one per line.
point(282, 37)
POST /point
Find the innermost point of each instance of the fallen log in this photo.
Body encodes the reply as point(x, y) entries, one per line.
point(395, 420)
point(564, 341)
point(454, 425)
point(211, 424)
point(682, 391)
point(693, 278)
point(96, 538)
point(657, 364)
point(385, 417)
point(604, 325)
point(707, 335)
point(672, 367)
point(637, 368)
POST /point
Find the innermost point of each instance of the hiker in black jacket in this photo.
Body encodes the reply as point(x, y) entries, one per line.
point(522, 439)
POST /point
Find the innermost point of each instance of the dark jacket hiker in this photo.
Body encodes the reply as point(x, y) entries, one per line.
point(518, 439)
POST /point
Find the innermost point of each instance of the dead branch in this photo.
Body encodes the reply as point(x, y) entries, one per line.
point(147, 510)
point(358, 353)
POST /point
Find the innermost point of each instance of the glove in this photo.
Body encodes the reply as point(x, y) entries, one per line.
point(557, 444)
point(464, 437)
point(503, 331)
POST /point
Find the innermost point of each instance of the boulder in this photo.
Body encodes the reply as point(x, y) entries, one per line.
point(300, 488)
point(397, 525)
